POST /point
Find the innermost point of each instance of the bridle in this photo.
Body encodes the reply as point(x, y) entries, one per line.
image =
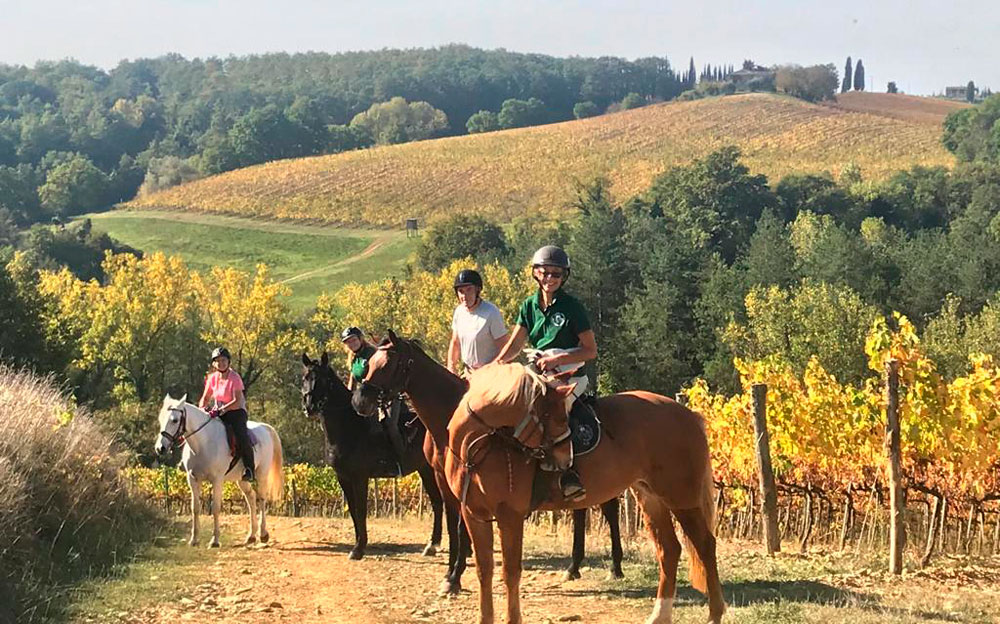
point(314, 398)
point(473, 453)
point(178, 437)
point(385, 394)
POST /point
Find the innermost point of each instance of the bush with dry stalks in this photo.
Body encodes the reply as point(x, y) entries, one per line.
point(64, 509)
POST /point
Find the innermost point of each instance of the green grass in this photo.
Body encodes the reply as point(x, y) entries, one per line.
point(310, 259)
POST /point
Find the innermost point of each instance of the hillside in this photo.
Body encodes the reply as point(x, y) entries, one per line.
point(925, 110)
point(516, 172)
point(308, 259)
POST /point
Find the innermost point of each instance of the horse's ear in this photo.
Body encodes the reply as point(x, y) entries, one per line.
point(305, 360)
point(324, 360)
point(393, 338)
point(184, 398)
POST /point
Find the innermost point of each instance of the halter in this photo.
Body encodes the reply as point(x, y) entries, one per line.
point(178, 437)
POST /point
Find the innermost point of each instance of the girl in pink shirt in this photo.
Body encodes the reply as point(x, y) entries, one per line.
point(224, 396)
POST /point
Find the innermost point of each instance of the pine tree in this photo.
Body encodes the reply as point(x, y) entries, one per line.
point(859, 77)
point(845, 86)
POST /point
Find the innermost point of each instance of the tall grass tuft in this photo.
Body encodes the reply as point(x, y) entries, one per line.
point(64, 510)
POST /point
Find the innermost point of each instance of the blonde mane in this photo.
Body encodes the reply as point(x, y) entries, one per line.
point(505, 385)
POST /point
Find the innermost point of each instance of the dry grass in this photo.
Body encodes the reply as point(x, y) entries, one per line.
point(64, 511)
point(511, 173)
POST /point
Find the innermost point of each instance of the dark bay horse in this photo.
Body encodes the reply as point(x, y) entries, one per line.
point(358, 454)
point(659, 449)
point(436, 392)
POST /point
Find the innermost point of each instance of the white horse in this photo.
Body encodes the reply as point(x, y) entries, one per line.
point(206, 458)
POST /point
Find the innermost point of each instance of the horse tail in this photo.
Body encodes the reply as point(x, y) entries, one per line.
point(699, 575)
point(275, 487)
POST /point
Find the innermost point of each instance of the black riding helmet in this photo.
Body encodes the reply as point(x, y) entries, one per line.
point(221, 352)
point(351, 331)
point(551, 255)
point(468, 277)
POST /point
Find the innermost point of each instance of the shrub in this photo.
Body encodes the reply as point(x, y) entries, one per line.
point(64, 510)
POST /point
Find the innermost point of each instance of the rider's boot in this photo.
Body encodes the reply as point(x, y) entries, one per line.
point(246, 454)
point(395, 436)
point(569, 481)
point(572, 487)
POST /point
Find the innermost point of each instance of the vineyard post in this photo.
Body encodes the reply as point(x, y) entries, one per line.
point(897, 528)
point(768, 491)
point(395, 498)
point(166, 488)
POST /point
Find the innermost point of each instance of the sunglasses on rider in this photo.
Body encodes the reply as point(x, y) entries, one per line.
point(552, 274)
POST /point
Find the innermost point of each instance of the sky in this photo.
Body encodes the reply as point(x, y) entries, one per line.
point(922, 45)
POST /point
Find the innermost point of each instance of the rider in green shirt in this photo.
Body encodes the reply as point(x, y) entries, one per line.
point(362, 351)
point(556, 324)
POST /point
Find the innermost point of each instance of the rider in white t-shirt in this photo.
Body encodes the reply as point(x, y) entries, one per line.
point(477, 328)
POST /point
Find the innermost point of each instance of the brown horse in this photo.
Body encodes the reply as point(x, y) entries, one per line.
point(654, 445)
point(400, 365)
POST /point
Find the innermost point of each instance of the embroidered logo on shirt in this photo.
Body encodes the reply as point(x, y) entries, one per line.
point(558, 319)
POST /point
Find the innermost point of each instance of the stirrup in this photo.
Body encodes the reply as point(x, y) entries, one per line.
point(572, 488)
point(248, 475)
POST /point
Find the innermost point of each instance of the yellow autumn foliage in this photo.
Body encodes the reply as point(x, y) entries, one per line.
point(420, 306)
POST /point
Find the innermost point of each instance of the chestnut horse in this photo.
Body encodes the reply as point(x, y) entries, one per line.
point(401, 366)
point(654, 445)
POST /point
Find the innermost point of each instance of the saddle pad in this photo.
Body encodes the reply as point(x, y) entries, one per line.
point(585, 430)
point(231, 438)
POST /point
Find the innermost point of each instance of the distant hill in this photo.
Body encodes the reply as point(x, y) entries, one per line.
point(931, 111)
point(533, 170)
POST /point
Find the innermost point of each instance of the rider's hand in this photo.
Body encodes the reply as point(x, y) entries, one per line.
point(214, 413)
point(547, 362)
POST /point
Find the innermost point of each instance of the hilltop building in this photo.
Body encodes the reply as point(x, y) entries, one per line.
point(959, 93)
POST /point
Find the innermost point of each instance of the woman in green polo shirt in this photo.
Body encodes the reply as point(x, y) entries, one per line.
point(555, 324)
point(361, 351)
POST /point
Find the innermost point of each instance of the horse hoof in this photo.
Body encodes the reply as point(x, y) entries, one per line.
point(448, 588)
point(571, 575)
point(214, 544)
point(264, 537)
point(616, 574)
point(431, 550)
point(193, 542)
point(251, 539)
point(356, 554)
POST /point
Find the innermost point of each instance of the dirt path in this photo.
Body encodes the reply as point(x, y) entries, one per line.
point(367, 251)
point(303, 576)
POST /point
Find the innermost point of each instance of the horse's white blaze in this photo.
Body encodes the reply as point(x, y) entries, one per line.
point(206, 458)
point(661, 611)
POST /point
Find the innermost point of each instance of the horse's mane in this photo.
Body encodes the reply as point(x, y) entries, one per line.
point(506, 385)
point(413, 343)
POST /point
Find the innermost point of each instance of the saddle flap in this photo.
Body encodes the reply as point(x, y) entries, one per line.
point(585, 428)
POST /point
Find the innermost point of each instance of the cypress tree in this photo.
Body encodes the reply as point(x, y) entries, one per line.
point(845, 86)
point(859, 77)
point(692, 74)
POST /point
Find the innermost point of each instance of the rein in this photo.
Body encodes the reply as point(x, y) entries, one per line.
point(178, 437)
point(511, 438)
